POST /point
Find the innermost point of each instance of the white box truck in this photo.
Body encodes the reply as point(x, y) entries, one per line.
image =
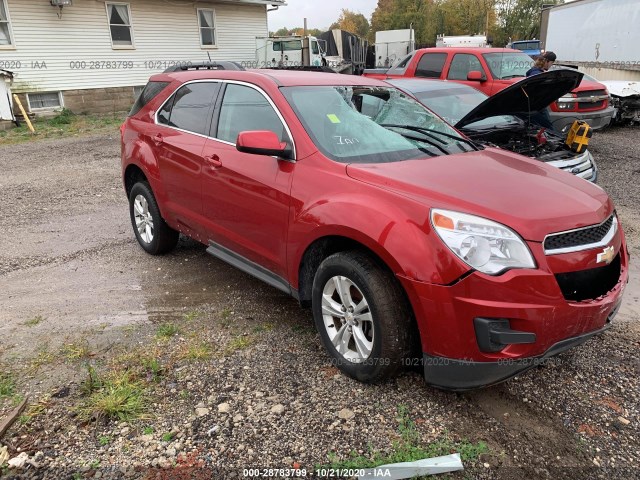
point(392, 45)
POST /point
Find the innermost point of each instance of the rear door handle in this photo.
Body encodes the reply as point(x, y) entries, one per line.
point(158, 139)
point(213, 160)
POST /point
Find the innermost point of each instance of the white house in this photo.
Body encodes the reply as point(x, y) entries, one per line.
point(95, 55)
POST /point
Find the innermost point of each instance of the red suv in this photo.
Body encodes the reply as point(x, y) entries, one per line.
point(411, 244)
point(491, 70)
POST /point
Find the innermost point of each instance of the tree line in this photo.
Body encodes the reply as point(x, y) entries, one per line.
point(500, 20)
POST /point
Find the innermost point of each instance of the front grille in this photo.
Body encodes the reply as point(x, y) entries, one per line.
point(591, 105)
point(589, 284)
point(576, 238)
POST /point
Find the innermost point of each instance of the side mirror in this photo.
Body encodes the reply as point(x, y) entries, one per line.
point(262, 142)
point(475, 76)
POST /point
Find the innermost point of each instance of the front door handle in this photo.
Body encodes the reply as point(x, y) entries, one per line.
point(213, 160)
point(158, 139)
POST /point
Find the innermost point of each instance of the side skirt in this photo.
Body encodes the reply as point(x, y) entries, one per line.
point(252, 268)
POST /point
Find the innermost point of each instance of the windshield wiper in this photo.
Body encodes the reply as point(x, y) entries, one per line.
point(427, 132)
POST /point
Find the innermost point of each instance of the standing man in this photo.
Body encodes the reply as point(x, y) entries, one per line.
point(542, 64)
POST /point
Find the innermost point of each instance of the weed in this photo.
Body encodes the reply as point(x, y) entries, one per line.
point(192, 315)
point(408, 449)
point(7, 385)
point(263, 327)
point(24, 419)
point(167, 330)
point(75, 351)
point(94, 464)
point(238, 343)
point(184, 394)
point(104, 440)
point(153, 369)
point(65, 117)
point(43, 357)
point(225, 314)
point(119, 396)
point(195, 351)
point(147, 430)
point(32, 322)
point(167, 437)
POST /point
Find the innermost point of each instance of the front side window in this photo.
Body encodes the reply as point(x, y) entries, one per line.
point(5, 25)
point(188, 109)
point(371, 124)
point(244, 108)
point(430, 65)
point(120, 24)
point(207, 24)
point(314, 47)
point(508, 65)
point(462, 64)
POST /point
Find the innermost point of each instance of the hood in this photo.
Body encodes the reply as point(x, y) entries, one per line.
point(530, 94)
point(532, 198)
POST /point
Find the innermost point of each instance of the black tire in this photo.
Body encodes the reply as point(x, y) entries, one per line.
point(164, 238)
point(390, 328)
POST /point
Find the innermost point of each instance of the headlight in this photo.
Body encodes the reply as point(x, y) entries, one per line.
point(487, 246)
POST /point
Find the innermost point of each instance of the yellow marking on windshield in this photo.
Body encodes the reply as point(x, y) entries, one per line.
point(333, 118)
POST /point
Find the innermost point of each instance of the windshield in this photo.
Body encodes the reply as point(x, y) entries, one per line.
point(508, 65)
point(371, 124)
point(455, 102)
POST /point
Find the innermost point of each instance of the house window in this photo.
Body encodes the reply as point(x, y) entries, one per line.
point(207, 24)
point(5, 25)
point(44, 100)
point(119, 17)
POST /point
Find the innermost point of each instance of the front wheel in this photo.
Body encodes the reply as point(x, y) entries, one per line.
point(362, 316)
point(152, 232)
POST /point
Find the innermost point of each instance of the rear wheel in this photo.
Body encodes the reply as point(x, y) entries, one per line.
point(362, 316)
point(152, 232)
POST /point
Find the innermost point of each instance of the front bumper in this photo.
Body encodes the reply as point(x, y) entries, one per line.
point(597, 120)
point(532, 302)
point(460, 375)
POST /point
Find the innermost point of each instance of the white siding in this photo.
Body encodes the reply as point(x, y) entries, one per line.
point(162, 31)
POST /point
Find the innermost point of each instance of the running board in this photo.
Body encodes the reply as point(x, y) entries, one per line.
point(247, 266)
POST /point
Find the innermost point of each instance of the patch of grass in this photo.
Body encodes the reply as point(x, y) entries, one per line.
point(94, 464)
point(65, 124)
point(75, 351)
point(238, 343)
point(24, 419)
point(147, 431)
point(43, 357)
point(34, 410)
point(184, 394)
point(225, 313)
point(167, 437)
point(192, 315)
point(118, 396)
point(7, 385)
point(32, 322)
point(167, 330)
point(408, 448)
point(195, 351)
point(104, 440)
point(263, 327)
point(152, 368)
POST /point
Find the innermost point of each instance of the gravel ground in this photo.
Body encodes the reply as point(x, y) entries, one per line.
point(232, 372)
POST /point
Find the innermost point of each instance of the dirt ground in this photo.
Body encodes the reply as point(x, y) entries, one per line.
point(77, 293)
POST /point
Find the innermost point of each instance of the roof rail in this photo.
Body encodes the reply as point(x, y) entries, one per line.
point(184, 66)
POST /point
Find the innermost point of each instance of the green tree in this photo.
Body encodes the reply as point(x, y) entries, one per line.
point(519, 19)
point(352, 22)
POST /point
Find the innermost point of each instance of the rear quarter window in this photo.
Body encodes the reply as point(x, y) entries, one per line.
point(150, 91)
point(430, 65)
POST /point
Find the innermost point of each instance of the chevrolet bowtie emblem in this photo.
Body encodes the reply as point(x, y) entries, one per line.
point(606, 256)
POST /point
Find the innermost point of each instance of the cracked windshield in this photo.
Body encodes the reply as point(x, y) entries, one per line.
point(372, 124)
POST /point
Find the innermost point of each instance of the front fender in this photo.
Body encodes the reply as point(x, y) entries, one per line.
point(395, 228)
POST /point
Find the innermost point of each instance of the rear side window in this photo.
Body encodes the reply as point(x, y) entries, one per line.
point(189, 107)
point(148, 93)
point(430, 65)
point(244, 108)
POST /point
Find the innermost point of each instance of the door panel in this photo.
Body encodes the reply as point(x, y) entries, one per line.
point(246, 197)
point(178, 141)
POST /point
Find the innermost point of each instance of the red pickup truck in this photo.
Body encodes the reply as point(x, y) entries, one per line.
point(493, 69)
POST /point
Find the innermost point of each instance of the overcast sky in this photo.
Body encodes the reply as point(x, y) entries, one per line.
point(319, 13)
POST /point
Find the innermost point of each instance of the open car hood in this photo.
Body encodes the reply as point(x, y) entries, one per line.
point(530, 94)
